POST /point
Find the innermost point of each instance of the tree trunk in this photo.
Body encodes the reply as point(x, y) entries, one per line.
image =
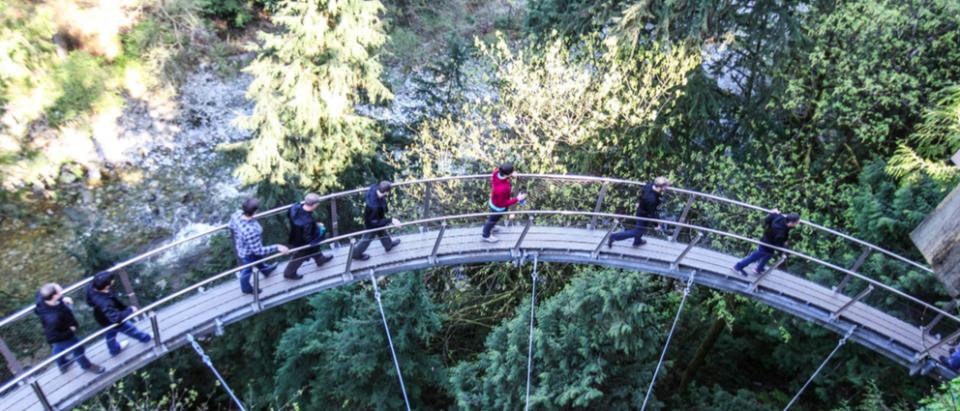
point(705, 348)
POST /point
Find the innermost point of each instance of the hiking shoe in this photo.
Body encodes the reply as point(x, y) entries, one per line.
point(362, 257)
point(740, 271)
point(123, 345)
point(490, 239)
point(65, 368)
point(393, 244)
point(325, 259)
point(610, 242)
point(293, 277)
point(269, 270)
point(96, 369)
point(639, 243)
point(251, 292)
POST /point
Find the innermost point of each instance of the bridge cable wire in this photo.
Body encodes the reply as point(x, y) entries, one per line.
point(822, 364)
point(206, 360)
point(386, 328)
point(666, 345)
point(533, 301)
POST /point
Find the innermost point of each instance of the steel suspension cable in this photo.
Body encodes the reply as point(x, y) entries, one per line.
point(822, 364)
point(533, 301)
point(386, 328)
point(666, 345)
point(206, 360)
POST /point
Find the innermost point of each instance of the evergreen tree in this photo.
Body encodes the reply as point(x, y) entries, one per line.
point(307, 78)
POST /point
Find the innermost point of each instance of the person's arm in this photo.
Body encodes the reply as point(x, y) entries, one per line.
point(254, 241)
point(115, 313)
point(371, 214)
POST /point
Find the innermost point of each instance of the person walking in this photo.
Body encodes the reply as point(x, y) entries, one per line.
point(60, 327)
point(305, 230)
point(647, 207)
point(248, 241)
point(109, 310)
point(500, 200)
point(776, 232)
point(375, 216)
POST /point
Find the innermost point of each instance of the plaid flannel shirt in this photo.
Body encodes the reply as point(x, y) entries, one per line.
point(248, 237)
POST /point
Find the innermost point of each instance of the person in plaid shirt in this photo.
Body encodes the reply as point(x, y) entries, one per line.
point(248, 240)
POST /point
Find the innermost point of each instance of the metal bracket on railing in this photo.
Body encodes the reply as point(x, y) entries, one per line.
point(683, 217)
point(676, 262)
point(864, 293)
point(347, 276)
point(13, 364)
point(257, 306)
point(923, 354)
point(218, 327)
point(128, 287)
point(334, 223)
point(155, 326)
point(756, 281)
point(596, 251)
point(596, 209)
point(856, 266)
point(436, 245)
point(936, 320)
point(425, 210)
point(41, 396)
point(523, 234)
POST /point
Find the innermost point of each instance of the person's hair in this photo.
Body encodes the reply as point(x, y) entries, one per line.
point(311, 199)
point(48, 290)
point(506, 169)
point(102, 280)
point(384, 186)
point(661, 181)
point(250, 206)
point(793, 218)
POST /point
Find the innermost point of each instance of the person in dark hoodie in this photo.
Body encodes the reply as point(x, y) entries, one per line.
point(60, 327)
point(304, 230)
point(109, 310)
point(776, 232)
point(375, 216)
point(650, 199)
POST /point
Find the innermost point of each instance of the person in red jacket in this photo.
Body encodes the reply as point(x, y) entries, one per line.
point(500, 200)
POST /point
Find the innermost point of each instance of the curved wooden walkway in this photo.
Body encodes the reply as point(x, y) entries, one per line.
point(224, 304)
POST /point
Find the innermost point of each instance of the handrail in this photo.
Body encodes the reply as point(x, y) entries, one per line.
point(150, 307)
point(73, 287)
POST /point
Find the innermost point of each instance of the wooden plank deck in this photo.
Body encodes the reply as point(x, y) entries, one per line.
point(197, 312)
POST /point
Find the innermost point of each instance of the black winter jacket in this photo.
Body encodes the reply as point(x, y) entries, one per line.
point(375, 210)
point(649, 202)
point(56, 320)
point(303, 229)
point(775, 231)
point(107, 308)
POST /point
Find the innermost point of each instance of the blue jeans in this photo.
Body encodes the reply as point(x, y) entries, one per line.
point(636, 232)
point(492, 221)
point(761, 256)
point(77, 354)
point(264, 268)
point(127, 328)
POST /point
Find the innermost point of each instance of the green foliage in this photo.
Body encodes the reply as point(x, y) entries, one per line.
point(339, 358)
point(945, 398)
point(83, 81)
point(596, 345)
point(172, 396)
point(237, 12)
point(307, 78)
point(717, 399)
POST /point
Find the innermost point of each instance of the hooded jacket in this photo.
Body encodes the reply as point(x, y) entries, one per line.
point(56, 320)
point(375, 209)
point(107, 308)
point(776, 232)
point(303, 228)
point(500, 191)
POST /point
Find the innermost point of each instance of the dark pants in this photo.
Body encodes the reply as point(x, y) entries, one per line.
point(264, 268)
point(301, 257)
point(361, 247)
point(77, 353)
point(636, 232)
point(127, 328)
point(953, 361)
point(491, 222)
point(761, 256)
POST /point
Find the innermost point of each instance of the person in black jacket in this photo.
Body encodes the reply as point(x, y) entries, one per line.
point(109, 310)
point(304, 230)
point(776, 232)
point(650, 199)
point(375, 216)
point(60, 326)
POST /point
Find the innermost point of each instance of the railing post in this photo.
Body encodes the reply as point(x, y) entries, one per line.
point(756, 282)
point(347, 276)
point(922, 354)
point(596, 251)
point(256, 291)
point(676, 262)
point(13, 364)
point(683, 217)
point(856, 266)
point(864, 293)
point(936, 320)
point(128, 287)
point(425, 210)
point(155, 326)
point(596, 209)
point(334, 223)
point(526, 228)
point(436, 244)
point(41, 396)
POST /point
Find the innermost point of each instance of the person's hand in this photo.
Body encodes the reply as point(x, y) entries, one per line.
point(67, 300)
point(72, 328)
point(521, 196)
point(396, 223)
point(775, 211)
point(133, 308)
point(283, 248)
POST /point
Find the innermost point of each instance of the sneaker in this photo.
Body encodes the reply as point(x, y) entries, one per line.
point(251, 291)
point(293, 277)
point(269, 270)
point(96, 369)
point(362, 257)
point(490, 239)
point(393, 245)
point(758, 272)
point(123, 345)
point(325, 259)
point(147, 337)
point(65, 368)
point(639, 243)
point(739, 271)
point(495, 230)
point(610, 242)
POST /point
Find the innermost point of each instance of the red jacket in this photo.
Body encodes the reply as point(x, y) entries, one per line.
point(500, 191)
